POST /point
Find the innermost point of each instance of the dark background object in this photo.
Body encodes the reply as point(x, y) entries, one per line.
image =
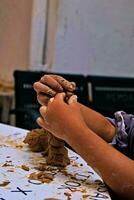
point(110, 94)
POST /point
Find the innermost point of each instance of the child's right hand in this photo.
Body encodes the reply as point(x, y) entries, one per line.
point(62, 119)
point(49, 85)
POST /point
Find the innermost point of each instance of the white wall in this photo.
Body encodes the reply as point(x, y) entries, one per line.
point(95, 37)
point(38, 31)
point(15, 26)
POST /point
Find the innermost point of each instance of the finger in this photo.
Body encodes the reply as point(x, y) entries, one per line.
point(39, 87)
point(68, 95)
point(64, 83)
point(42, 123)
point(74, 85)
point(43, 110)
point(60, 96)
point(43, 99)
point(50, 81)
point(51, 99)
point(72, 99)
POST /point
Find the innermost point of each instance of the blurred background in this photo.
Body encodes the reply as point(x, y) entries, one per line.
point(88, 37)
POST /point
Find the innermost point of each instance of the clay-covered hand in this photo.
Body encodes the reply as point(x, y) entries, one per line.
point(60, 118)
point(49, 85)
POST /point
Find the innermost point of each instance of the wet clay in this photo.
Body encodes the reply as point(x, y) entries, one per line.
point(54, 149)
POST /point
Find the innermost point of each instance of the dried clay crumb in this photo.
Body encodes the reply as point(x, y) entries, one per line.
point(7, 165)
point(67, 194)
point(41, 166)
point(4, 183)
point(41, 176)
point(25, 167)
point(85, 196)
point(20, 146)
point(51, 199)
point(10, 170)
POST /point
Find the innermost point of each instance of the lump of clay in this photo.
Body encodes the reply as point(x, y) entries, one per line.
point(57, 152)
point(37, 139)
point(54, 148)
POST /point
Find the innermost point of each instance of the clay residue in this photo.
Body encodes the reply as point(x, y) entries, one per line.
point(41, 176)
point(4, 183)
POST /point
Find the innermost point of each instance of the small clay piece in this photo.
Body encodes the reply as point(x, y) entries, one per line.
point(4, 183)
point(25, 167)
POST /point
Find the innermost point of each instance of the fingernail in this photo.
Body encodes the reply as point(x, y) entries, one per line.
point(51, 99)
point(44, 108)
point(38, 120)
point(72, 86)
point(73, 99)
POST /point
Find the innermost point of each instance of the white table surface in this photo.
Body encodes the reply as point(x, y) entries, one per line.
point(85, 185)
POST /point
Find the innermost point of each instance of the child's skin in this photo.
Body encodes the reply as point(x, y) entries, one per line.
point(87, 131)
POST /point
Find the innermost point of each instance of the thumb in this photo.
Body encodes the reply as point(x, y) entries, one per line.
point(72, 99)
point(42, 123)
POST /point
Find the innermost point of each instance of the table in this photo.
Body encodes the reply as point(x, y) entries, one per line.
point(77, 182)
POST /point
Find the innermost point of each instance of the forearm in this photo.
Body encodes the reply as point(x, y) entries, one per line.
point(98, 123)
point(116, 169)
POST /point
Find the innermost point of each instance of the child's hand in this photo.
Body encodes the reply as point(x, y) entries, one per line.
point(49, 85)
point(60, 118)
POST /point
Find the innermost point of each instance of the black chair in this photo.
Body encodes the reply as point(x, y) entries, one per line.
point(109, 94)
point(26, 105)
